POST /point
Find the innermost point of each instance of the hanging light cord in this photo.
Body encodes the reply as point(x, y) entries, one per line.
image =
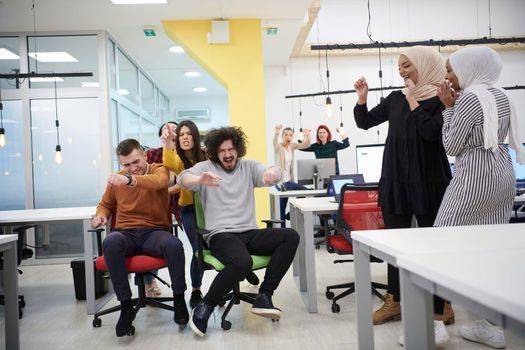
point(381, 75)
point(341, 107)
point(57, 123)
point(327, 70)
point(1, 108)
point(368, 26)
point(34, 36)
point(300, 115)
point(490, 22)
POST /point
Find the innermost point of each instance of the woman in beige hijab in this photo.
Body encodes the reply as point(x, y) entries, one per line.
point(415, 171)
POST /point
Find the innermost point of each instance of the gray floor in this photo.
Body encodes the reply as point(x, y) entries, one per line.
point(53, 319)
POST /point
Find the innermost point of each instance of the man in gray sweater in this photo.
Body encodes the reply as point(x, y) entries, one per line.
point(226, 183)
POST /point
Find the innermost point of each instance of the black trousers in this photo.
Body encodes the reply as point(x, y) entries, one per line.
point(149, 241)
point(234, 249)
point(393, 221)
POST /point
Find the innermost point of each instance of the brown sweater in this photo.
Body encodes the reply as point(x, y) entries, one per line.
point(144, 205)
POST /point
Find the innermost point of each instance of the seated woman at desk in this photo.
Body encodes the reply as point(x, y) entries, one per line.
point(325, 147)
point(284, 158)
point(476, 124)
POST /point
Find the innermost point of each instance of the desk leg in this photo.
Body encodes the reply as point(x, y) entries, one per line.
point(309, 255)
point(294, 225)
point(90, 270)
point(365, 328)
point(416, 308)
point(12, 332)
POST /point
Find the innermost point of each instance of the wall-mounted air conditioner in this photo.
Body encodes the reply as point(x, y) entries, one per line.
point(192, 114)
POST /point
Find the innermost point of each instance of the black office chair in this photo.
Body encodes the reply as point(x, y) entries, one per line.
point(22, 253)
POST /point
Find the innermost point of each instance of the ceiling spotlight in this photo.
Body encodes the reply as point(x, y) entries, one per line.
point(176, 49)
point(192, 74)
point(123, 92)
point(200, 89)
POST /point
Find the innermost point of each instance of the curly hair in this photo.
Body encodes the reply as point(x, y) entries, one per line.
point(196, 153)
point(216, 137)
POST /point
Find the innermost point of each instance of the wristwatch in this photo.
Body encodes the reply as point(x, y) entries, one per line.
point(130, 179)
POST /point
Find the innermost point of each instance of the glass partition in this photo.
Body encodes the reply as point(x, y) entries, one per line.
point(9, 59)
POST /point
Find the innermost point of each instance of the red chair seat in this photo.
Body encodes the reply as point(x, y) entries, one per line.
point(340, 244)
point(136, 263)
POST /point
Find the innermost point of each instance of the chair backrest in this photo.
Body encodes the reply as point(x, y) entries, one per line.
point(358, 210)
point(200, 222)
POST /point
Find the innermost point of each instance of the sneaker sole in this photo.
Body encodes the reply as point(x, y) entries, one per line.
point(273, 314)
point(479, 341)
point(194, 327)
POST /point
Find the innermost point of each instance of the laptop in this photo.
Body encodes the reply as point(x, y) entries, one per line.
point(336, 182)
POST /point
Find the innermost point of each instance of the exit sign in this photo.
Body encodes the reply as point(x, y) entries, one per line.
point(149, 32)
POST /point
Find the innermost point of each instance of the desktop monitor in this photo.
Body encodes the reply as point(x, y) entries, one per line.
point(338, 181)
point(306, 168)
point(369, 161)
point(518, 169)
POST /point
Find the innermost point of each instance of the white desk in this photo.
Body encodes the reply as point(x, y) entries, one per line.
point(275, 199)
point(46, 216)
point(389, 245)
point(12, 332)
point(489, 282)
point(302, 211)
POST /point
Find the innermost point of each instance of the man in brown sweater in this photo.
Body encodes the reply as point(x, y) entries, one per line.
point(137, 198)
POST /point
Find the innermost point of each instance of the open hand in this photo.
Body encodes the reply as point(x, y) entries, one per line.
point(210, 179)
point(447, 94)
point(271, 175)
point(306, 132)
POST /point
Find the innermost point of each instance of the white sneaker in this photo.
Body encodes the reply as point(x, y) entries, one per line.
point(483, 332)
point(440, 334)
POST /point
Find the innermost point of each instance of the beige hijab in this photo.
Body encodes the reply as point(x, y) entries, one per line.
point(430, 68)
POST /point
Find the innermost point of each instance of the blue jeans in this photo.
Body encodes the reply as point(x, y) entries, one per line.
point(288, 186)
point(188, 222)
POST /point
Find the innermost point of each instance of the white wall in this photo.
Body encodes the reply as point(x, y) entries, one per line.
point(302, 75)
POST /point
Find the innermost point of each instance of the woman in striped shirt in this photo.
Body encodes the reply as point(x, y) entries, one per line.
point(476, 124)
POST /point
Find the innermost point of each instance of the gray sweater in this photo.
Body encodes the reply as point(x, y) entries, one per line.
point(231, 206)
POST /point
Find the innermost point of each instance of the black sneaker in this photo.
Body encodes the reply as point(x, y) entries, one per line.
point(252, 278)
point(199, 318)
point(180, 316)
point(196, 298)
point(124, 323)
point(263, 306)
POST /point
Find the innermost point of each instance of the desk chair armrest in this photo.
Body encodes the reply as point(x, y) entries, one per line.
point(270, 222)
point(200, 247)
point(98, 231)
point(22, 229)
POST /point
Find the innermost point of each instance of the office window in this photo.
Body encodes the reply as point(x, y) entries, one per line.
point(12, 174)
point(77, 181)
point(10, 61)
point(128, 124)
point(127, 78)
point(150, 136)
point(113, 107)
point(147, 98)
point(63, 54)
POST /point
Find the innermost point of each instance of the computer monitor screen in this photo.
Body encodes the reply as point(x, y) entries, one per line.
point(338, 181)
point(369, 161)
point(306, 168)
point(518, 169)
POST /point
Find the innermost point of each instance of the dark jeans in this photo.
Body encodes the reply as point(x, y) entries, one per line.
point(150, 241)
point(188, 221)
point(234, 249)
point(288, 186)
point(405, 221)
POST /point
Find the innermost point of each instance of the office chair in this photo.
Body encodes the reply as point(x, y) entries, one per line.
point(140, 265)
point(208, 262)
point(358, 210)
point(22, 253)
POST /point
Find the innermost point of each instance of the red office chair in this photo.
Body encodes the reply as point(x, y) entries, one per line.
point(140, 265)
point(358, 210)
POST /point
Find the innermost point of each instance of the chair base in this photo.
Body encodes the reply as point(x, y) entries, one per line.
point(138, 303)
point(350, 288)
point(234, 297)
point(21, 304)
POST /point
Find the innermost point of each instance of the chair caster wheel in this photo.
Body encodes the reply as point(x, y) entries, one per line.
point(22, 303)
point(97, 322)
point(226, 325)
point(131, 330)
point(329, 295)
point(336, 308)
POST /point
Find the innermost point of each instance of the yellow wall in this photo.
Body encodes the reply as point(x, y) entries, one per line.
point(238, 66)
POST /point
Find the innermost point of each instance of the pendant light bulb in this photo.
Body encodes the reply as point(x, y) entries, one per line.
point(3, 140)
point(301, 135)
point(341, 129)
point(329, 110)
point(58, 155)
